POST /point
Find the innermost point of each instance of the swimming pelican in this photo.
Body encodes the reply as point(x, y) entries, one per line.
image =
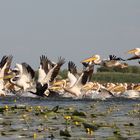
point(118, 89)
point(131, 94)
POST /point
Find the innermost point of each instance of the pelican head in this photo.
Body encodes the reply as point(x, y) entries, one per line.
point(92, 59)
point(135, 51)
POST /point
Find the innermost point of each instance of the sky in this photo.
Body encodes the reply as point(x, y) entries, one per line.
point(74, 29)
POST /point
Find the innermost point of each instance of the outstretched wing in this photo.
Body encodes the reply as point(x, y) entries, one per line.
point(72, 71)
point(9, 61)
point(27, 69)
point(83, 79)
point(3, 61)
point(114, 57)
point(72, 68)
point(56, 69)
point(134, 57)
point(5, 64)
point(44, 63)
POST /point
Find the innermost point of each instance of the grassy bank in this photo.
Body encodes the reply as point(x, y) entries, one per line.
point(116, 77)
point(111, 76)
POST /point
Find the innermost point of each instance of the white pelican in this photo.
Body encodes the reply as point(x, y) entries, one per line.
point(119, 89)
point(25, 79)
point(136, 53)
point(76, 83)
point(25, 76)
point(4, 71)
point(113, 61)
point(28, 81)
point(131, 94)
point(137, 88)
point(48, 70)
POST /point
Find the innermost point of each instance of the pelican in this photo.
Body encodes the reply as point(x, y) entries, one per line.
point(88, 86)
point(49, 70)
point(27, 80)
point(119, 89)
point(24, 77)
point(131, 94)
point(58, 87)
point(137, 88)
point(113, 61)
point(136, 53)
point(4, 71)
point(91, 89)
point(76, 82)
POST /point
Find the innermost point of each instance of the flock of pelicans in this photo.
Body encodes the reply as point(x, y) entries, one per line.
point(23, 80)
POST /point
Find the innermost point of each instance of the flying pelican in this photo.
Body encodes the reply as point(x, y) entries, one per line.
point(48, 70)
point(27, 80)
point(136, 53)
point(76, 83)
point(4, 72)
point(24, 77)
point(113, 61)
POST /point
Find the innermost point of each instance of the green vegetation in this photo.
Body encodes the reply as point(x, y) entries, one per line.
point(116, 77)
point(128, 75)
point(130, 69)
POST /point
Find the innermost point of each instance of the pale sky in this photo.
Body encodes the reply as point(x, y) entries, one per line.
point(74, 29)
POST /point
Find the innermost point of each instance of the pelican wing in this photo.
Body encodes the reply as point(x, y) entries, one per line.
point(9, 61)
point(44, 63)
point(3, 61)
point(72, 68)
point(134, 57)
point(55, 72)
point(114, 57)
point(27, 69)
point(51, 64)
point(72, 79)
point(5, 65)
point(82, 80)
point(87, 76)
point(72, 72)
point(43, 69)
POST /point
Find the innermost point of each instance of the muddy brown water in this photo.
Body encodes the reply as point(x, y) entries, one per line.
point(45, 119)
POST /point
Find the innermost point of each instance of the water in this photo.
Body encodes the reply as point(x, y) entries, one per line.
point(43, 119)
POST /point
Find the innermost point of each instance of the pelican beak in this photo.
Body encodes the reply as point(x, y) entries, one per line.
point(7, 77)
point(89, 59)
point(132, 51)
point(55, 88)
point(58, 83)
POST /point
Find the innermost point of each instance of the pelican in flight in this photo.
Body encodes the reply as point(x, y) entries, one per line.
point(36, 83)
point(5, 64)
point(76, 82)
point(48, 70)
point(136, 53)
point(113, 61)
point(24, 76)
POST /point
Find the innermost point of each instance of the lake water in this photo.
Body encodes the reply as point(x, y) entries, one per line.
point(44, 119)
